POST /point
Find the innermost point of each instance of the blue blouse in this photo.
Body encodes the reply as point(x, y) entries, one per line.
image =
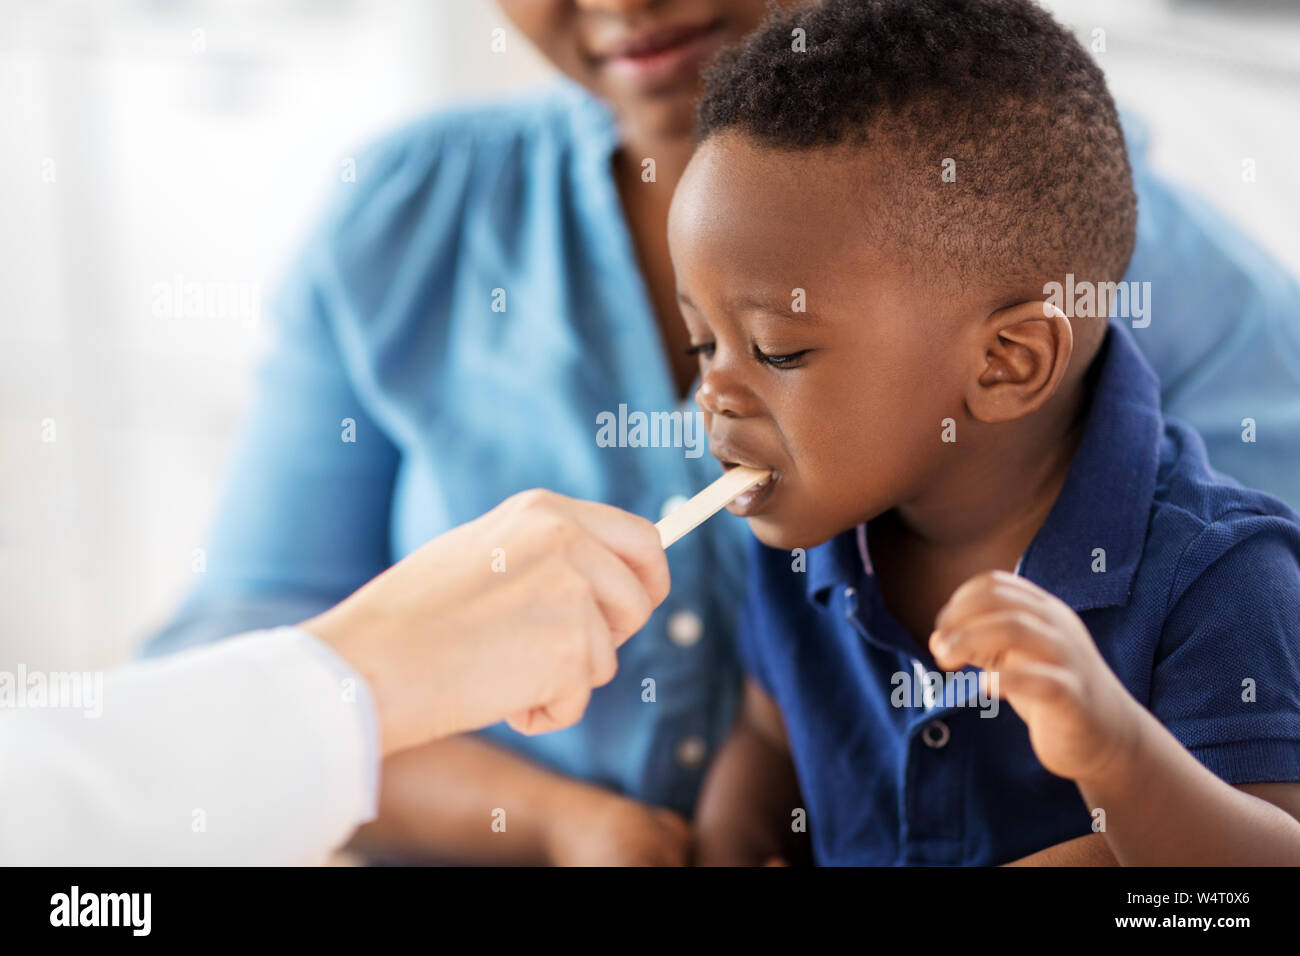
point(472, 306)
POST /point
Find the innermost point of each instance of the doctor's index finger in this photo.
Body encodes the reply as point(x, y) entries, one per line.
point(630, 537)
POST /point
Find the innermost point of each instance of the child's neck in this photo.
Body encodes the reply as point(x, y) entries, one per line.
point(982, 518)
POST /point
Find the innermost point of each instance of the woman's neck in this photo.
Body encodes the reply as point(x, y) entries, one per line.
point(646, 190)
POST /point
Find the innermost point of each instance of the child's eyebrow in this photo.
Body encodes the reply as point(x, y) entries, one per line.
point(752, 302)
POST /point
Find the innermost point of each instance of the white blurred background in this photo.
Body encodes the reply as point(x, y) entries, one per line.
point(148, 142)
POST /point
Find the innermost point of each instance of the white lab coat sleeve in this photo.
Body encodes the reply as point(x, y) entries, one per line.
point(259, 749)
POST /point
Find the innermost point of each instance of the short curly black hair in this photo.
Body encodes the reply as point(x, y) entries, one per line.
point(1042, 179)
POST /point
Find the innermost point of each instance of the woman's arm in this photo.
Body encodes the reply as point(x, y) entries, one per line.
point(466, 800)
point(1090, 850)
point(438, 803)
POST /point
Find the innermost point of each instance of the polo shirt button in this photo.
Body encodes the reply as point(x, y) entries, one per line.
point(685, 628)
point(691, 751)
point(671, 505)
point(936, 734)
point(849, 595)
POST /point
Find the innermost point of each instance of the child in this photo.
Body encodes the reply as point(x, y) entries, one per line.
point(884, 194)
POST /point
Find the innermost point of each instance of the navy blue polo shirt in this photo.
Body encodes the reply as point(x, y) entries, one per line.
point(1188, 583)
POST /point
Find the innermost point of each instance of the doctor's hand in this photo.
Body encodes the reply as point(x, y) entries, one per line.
point(515, 615)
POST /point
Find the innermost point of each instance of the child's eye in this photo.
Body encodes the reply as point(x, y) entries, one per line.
point(790, 360)
point(704, 348)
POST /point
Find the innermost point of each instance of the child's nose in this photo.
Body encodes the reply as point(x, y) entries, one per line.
point(720, 394)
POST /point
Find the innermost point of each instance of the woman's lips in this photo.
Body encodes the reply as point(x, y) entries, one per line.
point(668, 55)
point(754, 500)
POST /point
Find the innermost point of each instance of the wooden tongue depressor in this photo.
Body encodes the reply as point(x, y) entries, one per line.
point(733, 483)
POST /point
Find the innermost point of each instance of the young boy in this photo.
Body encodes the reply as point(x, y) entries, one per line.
point(885, 193)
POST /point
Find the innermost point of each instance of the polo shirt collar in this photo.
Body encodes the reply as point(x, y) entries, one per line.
point(831, 565)
point(1105, 502)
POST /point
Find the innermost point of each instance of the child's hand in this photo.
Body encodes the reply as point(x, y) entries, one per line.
point(610, 830)
point(1047, 667)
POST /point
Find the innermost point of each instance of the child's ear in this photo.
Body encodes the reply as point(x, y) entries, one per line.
point(1027, 349)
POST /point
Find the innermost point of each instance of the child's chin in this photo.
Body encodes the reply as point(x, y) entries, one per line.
point(784, 536)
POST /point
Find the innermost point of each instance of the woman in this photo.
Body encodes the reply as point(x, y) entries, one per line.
point(496, 279)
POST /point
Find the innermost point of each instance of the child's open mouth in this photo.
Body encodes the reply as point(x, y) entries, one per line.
point(755, 499)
